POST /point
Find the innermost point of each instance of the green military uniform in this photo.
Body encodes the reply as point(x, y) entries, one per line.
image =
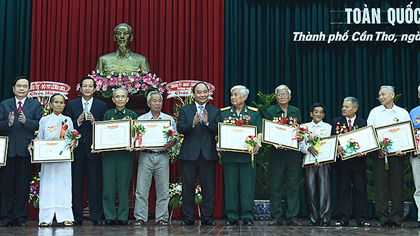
point(117, 172)
point(237, 165)
point(284, 162)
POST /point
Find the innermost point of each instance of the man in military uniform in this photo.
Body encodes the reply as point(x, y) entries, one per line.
point(117, 166)
point(284, 162)
point(237, 167)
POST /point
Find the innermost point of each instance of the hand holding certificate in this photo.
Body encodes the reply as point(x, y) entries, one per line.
point(153, 135)
point(280, 134)
point(111, 135)
point(400, 137)
point(362, 140)
point(326, 149)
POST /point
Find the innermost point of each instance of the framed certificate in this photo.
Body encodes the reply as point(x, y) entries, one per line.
point(326, 155)
point(401, 134)
point(362, 140)
point(48, 150)
point(4, 144)
point(111, 135)
point(232, 137)
point(153, 137)
point(279, 134)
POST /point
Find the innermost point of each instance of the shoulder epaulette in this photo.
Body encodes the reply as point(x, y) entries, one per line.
point(224, 108)
point(252, 108)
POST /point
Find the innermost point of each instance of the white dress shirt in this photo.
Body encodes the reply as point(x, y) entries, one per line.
point(323, 130)
point(21, 101)
point(379, 115)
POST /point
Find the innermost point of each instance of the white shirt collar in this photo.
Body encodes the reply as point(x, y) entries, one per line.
point(196, 105)
point(352, 120)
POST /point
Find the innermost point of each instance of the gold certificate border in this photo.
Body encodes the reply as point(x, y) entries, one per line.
point(6, 144)
point(34, 159)
point(110, 122)
point(272, 143)
point(220, 126)
point(164, 123)
point(358, 130)
point(397, 125)
point(327, 161)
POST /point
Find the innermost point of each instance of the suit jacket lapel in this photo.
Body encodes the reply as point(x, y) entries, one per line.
point(13, 106)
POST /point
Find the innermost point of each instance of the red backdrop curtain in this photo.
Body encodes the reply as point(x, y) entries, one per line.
point(183, 39)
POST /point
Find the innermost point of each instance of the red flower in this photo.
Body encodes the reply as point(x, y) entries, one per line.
point(345, 131)
point(283, 120)
point(246, 123)
point(75, 132)
point(239, 122)
point(337, 127)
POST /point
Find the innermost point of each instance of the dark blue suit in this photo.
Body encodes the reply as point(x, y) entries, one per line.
point(83, 158)
point(17, 172)
point(198, 156)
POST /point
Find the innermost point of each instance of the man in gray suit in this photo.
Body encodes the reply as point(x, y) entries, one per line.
point(19, 118)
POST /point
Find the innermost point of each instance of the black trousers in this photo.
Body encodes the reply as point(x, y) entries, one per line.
point(94, 187)
point(190, 170)
point(16, 178)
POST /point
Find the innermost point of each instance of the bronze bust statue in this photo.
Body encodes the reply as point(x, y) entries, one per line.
point(123, 60)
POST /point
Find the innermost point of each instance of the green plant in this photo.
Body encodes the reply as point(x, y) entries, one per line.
point(266, 99)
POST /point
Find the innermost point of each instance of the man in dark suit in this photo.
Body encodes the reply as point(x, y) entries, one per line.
point(19, 119)
point(84, 111)
point(198, 155)
point(350, 171)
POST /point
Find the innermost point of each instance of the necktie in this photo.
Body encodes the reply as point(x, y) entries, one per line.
point(86, 110)
point(350, 127)
point(200, 112)
point(19, 107)
point(316, 129)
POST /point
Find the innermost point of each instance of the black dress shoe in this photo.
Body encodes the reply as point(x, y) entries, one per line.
point(294, 222)
point(77, 223)
point(110, 222)
point(123, 222)
point(383, 224)
point(208, 222)
point(313, 223)
point(21, 223)
point(98, 222)
point(231, 222)
point(417, 225)
point(248, 222)
point(275, 223)
point(326, 224)
point(6, 223)
point(397, 224)
point(187, 223)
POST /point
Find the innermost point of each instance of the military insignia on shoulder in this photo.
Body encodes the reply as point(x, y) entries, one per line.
point(252, 108)
point(224, 108)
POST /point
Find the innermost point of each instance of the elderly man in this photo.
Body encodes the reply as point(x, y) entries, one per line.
point(237, 167)
point(284, 162)
point(351, 171)
point(123, 60)
point(198, 155)
point(415, 161)
point(318, 181)
point(153, 163)
point(388, 182)
point(84, 111)
point(19, 118)
point(117, 166)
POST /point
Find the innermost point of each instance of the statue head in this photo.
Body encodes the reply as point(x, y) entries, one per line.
point(123, 35)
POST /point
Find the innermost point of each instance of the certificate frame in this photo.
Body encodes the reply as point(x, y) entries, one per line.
point(157, 126)
point(365, 136)
point(4, 145)
point(102, 131)
point(237, 143)
point(48, 150)
point(328, 152)
point(401, 134)
point(270, 129)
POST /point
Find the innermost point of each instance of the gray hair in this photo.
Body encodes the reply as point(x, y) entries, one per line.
point(353, 100)
point(389, 87)
point(283, 87)
point(149, 95)
point(418, 89)
point(120, 89)
point(242, 89)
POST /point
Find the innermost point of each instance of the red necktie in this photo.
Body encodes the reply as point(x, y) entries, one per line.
point(350, 127)
point(19, 107)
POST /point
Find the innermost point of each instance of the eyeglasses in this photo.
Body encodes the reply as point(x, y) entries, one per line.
point(284, 95)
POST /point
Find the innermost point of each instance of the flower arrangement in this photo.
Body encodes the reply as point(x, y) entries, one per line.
point(34, 190)
point(141, 82)
point(417, 137)
point(169, 133)
point(175, 195)
point(173, 152)
point(385, 144)
point(283, 120)
point(301, 131)
point(314, 141)
point(352, 146)
point(251, 141)
point(45, 103)
point(71, 135)
point(139, 131)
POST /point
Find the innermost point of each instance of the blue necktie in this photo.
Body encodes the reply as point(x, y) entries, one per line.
point(200, 113)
